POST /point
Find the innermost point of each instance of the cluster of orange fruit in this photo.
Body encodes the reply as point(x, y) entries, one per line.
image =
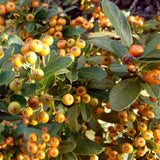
point(38, 148)
point(136, 21)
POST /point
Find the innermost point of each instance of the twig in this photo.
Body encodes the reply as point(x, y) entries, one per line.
point(133, 5)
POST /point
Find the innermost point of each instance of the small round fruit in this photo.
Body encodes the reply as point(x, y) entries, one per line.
point(127, 59)
point(32, 147)
point(14, 107)
point(131, 132)
point(141, 152)
point(37, 74)
point(127, 148)
point(15, 84)
point(122, 115)
point(27, 112)
point(76, 51)
point(2, 21)
point(80, 43)
point(36, 45)
point(42, 117)
point(62, 44)
point(10, 141)
point(140, 142)
point(46, 99)
point(35, 4)
point(81, 91)
point(53, 152)
point(48, 40)
point(18, 60)
point(41, 145)
point(106, 60)
point(45, 137)
point(3, 9)
point(40, 154)
point(45, 51)
point(136, 50)
point(70, 42)
point(31, 57)
point(61, 21)
point(68, 99)
point(156, 133)
point(33, 137)
point(30, 17)
point(86, 98)
point(132, 68)
point(94, 157)
point(10, 6)
point(54, 142)
point(60, 117)
point(33, 102)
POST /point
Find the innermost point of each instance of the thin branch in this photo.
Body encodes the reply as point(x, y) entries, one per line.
point(133, 5)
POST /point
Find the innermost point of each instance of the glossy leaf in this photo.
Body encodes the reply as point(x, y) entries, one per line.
point(70, 156)
point(118, 68)
point(12, 39)
point(74, 31)
point(30, 26)
point(9, 117)
point(28, 88)
point(87, 147)
point(72, 116)
point(92, 73)
point(19, 130)
point(20, 99)
point(119, 21)
point(127, 92)
point(66, 146)
point(151, 145)
point(152, 89)
point(85, 111)
point(6, 77)
point(54, 128)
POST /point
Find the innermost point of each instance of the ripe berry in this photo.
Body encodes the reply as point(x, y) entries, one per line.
point(30, 17)
point(31, 57)
point(94, 102)
point(62, 44)
point(10, 6)
point(36, 45)
point(81, 90)
point(76, 51)
point(37, 74)
point(67, 99)
point(18, 60)
point(33, 102)
point(156, 133)
point(10, 141)
point(42, 117)
point(61, 21)
point(136, 50)
point(132, 68)
point(14, 107)
point(48, 40)
point(40, 154)
point(33, 137)
point(46, 99)
point(45, 137)
point(80, 43)
point(60, 117)
point(127, 148)
point(106, 60)
point(3, 9)
point(15, 84)
point(140, 142)
point(32, 147)
point(86, 98)
point(53, 152)
point(54, 142)
point(41, 145)
point(70, 42)
point(45, 50)
point(27, 112)
point(34, 4)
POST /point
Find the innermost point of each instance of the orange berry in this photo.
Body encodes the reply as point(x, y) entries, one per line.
point(45, 137)
point(127, 148)
point(136, 50)
point(53, 152)
point(54, 142)
point(60, 117)
point(67, 99)
point(3, 9)
point(33, 137)
point(10, 6)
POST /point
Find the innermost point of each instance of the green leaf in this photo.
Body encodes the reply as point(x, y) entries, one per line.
point(150, 46)
point(30, 130)
point(74, 31)
point(81, 62)
point(48, 82)
point(14, 39)
point(1, 127)
point(127, 92)
point(30, 26)
point(85, 111)
point(92, 73)
point(150, 24)
point(19, 130)
point(51, 12)
point(57, 65)
point(25, 3)
point(7, 54)
point(66, 146)
point(6, 77)
point(4, 106)
point(119, 21)
point(152, 145)
point(152, 89)
point(118, 68)
point(29, 88)
point(41, 14)
point(69, 156)
point(60, 90)
point(20, 99)
point(54, 128)
point(104, 84)
point(9, 117)
point(119, 49)
point(95, 59)
point(72, 116)
point(1, 139)
point(87, 147)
